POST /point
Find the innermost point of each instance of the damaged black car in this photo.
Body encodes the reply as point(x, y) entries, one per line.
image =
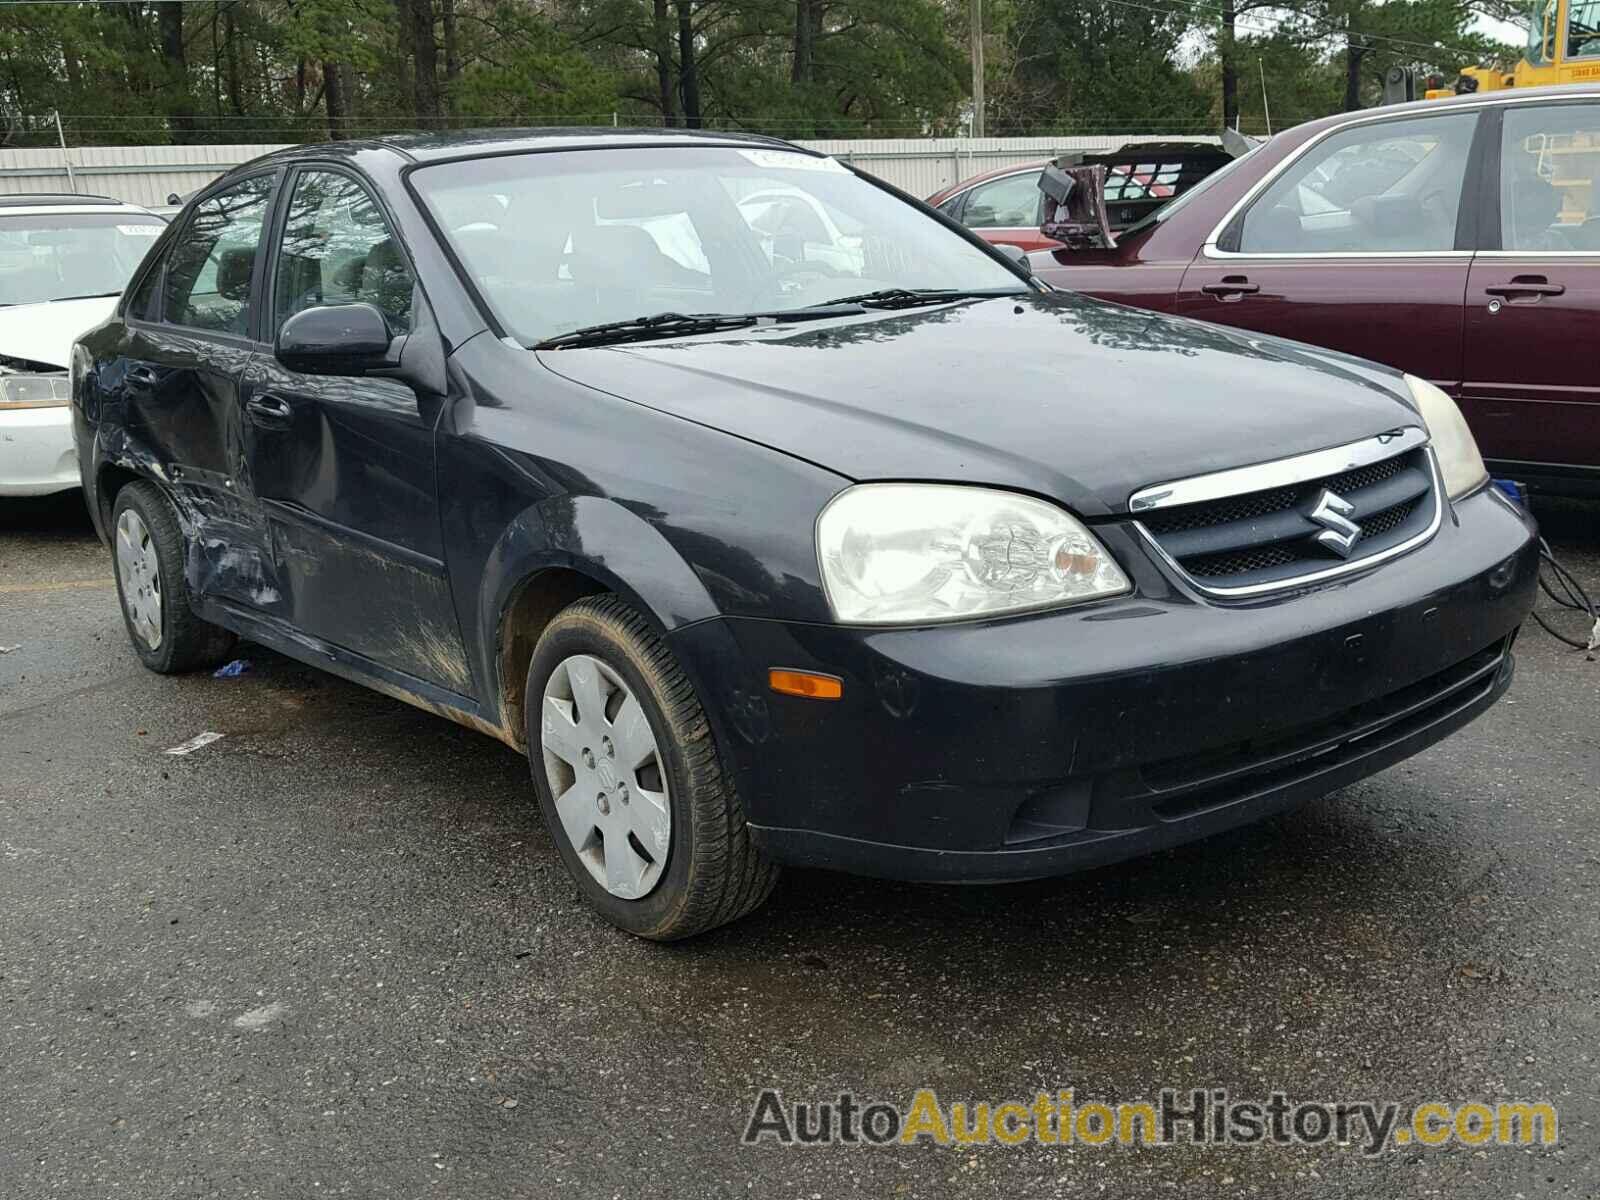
point(777, 518)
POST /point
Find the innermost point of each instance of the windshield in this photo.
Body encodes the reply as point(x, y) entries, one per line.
point(57, 256)
point(567, 240)
point(1194, 193)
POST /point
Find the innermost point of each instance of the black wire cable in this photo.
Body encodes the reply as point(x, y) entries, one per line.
point(1575, 598)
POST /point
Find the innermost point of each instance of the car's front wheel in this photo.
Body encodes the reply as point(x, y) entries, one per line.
point(147, 549)
point(629, 778)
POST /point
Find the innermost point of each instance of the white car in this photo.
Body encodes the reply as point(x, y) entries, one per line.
point(63, 263)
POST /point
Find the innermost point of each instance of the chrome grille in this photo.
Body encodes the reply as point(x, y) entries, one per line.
point(1259, 504)
point(1307, 523)
point(1218, 566)
point(1388, 519)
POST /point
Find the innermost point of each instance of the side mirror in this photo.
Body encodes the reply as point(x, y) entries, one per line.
point(1017, 255)
point(337, 339)
point(174, 198)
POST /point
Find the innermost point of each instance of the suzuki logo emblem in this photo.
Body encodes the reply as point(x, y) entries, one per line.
point(1339, 532)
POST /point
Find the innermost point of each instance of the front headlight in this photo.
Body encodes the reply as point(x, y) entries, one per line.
point(1453, 442)
point(910, 553)
point(34, 391)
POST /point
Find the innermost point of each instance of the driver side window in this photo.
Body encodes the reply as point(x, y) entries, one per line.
point(337, 249)
point(1386, 188)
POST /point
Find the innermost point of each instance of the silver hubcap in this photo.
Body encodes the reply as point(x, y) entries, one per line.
point(604, 770)
point(141, 578)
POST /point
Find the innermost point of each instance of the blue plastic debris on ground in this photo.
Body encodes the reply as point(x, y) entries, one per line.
point(1513, 489)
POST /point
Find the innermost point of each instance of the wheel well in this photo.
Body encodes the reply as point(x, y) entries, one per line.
point(536, 602)
point(112, 480)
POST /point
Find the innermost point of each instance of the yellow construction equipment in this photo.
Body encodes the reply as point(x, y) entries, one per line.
point(1563, 47)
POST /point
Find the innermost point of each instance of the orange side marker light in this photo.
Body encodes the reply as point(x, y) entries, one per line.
point(807, 684)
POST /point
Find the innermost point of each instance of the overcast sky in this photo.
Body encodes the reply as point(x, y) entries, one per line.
point(1195, 43)
point(1506, 31)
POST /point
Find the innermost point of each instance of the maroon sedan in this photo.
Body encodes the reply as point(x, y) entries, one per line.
point(1458, 240)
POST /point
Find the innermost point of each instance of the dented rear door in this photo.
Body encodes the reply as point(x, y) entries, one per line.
point(189, 335)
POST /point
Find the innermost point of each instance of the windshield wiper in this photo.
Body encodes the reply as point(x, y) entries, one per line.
point(897, 297)
point(85, 296)
point(670, 324)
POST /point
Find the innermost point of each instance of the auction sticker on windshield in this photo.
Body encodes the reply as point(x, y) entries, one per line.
point(787, 160)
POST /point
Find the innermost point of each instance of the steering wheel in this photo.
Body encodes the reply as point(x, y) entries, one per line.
point(791, 277)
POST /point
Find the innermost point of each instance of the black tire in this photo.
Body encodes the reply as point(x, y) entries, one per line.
point(713, 872)
point(186, 643)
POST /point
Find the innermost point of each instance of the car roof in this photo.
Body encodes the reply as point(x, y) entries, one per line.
point(443, 145)
point(36, 203)
point(960, 185)
point(1521, 95)
point(1564, 91)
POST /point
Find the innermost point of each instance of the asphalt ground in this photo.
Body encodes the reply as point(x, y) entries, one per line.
point(334, 953)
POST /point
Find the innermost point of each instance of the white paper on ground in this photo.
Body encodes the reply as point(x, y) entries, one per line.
point(194, 743)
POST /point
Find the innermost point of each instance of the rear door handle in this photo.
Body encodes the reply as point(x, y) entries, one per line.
point(269, 411)
point(1231, 287)
point(1525, 285)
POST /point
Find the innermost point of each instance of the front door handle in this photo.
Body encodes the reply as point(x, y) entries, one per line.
point(1525, 285)
point(269, 411)
point(1231, 287)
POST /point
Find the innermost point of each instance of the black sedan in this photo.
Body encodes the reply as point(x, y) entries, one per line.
point(775, 516)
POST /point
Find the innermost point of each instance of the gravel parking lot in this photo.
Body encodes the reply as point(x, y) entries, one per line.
point(334, 953)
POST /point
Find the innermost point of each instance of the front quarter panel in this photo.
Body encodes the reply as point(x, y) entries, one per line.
point(688, 523)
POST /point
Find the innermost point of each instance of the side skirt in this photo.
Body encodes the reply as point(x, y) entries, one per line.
point(357, 668)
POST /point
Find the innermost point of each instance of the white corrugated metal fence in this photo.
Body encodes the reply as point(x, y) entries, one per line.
point(141, 174)
point(149, 174)
point(923, 166)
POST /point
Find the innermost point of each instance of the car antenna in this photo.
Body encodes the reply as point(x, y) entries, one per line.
point(1265, 110)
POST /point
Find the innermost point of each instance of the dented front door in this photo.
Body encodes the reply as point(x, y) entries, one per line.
point(344, 471)
point(343, 465)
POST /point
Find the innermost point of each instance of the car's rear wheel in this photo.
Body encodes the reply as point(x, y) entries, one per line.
point(147, 549)
point(630, 780)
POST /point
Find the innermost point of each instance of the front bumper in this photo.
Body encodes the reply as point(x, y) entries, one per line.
point(1043, 744)
point(37, 456)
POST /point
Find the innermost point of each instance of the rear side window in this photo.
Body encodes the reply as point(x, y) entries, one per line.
point(338, 250)
point(1550, 178)
point(1386, 188)
point(211, 263)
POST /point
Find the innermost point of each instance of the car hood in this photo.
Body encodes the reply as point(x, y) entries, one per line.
point(1059, 395)
point(44, 333)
